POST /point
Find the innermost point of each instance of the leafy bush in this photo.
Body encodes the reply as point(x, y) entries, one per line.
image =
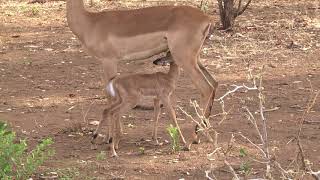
point(174, 134)
point(15, 162)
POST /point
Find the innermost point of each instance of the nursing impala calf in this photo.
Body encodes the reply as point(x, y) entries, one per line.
point(128, 90)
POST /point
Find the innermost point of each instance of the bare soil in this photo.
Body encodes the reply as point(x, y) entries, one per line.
point(49, 87)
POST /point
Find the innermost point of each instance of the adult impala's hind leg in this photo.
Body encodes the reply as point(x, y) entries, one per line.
point(185, 49)
point(214, 83)
point(185, 46)
point(191, 68)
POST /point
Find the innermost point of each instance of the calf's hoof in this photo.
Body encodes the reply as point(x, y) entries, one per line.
point(186, 148)
point(93, 147)
point(114, 155)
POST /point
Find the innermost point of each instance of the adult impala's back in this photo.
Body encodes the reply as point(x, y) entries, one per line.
point(138, 34)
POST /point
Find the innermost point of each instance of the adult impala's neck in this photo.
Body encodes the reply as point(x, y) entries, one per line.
point(77, 17)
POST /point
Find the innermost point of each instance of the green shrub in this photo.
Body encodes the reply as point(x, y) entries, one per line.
point(141, 150)
point(101, 156)
point(245, 167)
point(174, 134)
point(15, 162)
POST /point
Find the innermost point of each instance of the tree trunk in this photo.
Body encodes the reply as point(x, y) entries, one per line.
point(228, 12)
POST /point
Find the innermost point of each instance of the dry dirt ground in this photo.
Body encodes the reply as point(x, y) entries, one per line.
point(49, 87)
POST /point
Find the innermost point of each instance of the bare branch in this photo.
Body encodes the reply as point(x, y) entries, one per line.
point(236, 88)
point(284, 173)
point(239, 6)
point(239, 12)
point(310, 105)
point(254, 123)
point(236, 177)
point(210, 178)
point(255, 145)
point(301, 153)
point(214, 152)
point(203, 128)
point(85, 114)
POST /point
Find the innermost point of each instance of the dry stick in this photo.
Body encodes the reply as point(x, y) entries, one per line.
point(224, 113)
point(239, 12)
point(239, 6)
point(236, 88)
point(85, 115)
point(255, 145)
point(230, 144)
point(204, 124)
point(204, 121)
point(221, 99)
point(310, 105)
point(219, 150)
point(205, 128)
point(254, 123)
point(283, 172)
point(232, 170)
point(264, 134)
point(208, 177)
point(264, 128)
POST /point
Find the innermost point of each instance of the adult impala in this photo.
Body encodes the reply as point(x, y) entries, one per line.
point(137, 34)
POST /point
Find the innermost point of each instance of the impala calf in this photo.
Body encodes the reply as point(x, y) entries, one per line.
point(128, 90)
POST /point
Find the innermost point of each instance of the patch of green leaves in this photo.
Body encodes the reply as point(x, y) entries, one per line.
point(244, 166)
point(204, 6)
point(141, 150)
point(243, 152)
point(174, 135)
point(15, 162)
point(101, 156)
point(29, 10)
point(68, 173)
